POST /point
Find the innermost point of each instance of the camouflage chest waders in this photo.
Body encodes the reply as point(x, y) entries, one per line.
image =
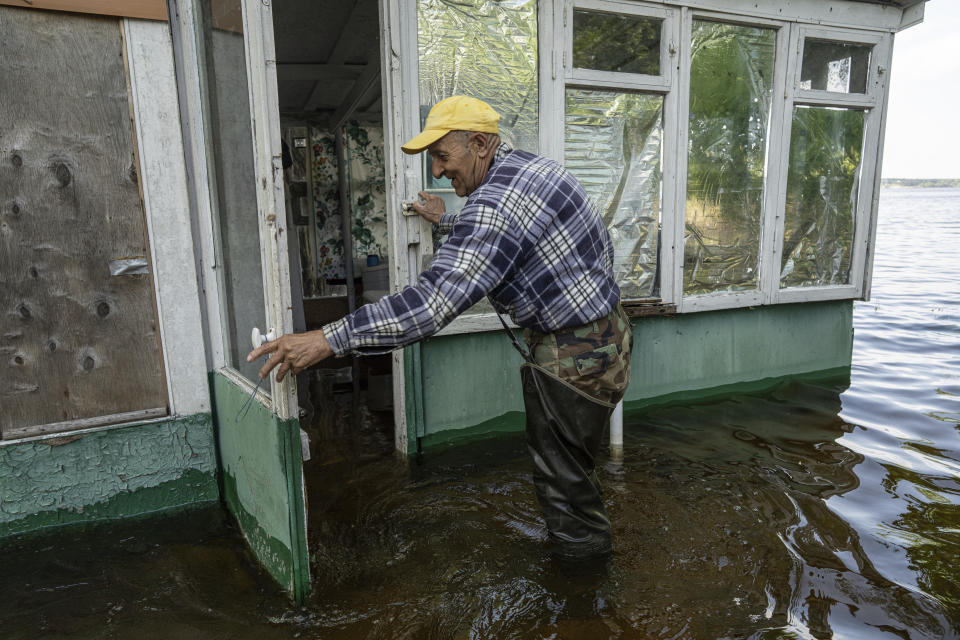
point(572, 380)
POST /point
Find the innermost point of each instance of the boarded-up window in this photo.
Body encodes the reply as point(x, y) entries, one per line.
point(149, 9)
point(78, 343)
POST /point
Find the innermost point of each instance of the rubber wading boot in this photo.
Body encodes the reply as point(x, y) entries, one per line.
point(564, 430)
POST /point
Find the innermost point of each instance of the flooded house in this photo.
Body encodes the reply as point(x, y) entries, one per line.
point(182, 179)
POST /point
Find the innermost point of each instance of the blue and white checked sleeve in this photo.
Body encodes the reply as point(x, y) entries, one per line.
point(445, 225)
point(482, 248)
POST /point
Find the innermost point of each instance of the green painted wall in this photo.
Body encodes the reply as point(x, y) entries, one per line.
point(473, 380)
point(128, 471)
point(262, 483)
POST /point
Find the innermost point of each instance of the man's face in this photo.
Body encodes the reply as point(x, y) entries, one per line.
point(454, 158)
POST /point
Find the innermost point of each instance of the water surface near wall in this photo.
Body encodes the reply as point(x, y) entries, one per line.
point(825, 509)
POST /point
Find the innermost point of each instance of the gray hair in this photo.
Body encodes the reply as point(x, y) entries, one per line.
point(463, 136)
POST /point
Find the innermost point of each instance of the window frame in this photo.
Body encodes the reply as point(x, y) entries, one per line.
point(555, 59)
point(752, 297)
point(556, 74)
point(666, 84)
point(873, 104)
point(596, 79)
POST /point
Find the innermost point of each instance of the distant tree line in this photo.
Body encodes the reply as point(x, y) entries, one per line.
point(920, 182)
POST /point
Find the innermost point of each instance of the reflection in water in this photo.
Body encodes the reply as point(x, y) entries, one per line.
point(815, 510)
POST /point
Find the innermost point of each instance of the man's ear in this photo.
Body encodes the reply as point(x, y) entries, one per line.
point(482, 142)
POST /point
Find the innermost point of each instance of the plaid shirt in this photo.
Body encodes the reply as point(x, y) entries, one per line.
point(529, 237)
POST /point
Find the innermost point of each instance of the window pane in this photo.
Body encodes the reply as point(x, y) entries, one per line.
point(485, 49)
point(610, 42)
point(612, 145)
point(231, 139)
point(731, 76)
point(834, 66)
point(822, 185)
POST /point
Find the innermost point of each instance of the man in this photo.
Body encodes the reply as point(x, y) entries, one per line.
point(531, 240)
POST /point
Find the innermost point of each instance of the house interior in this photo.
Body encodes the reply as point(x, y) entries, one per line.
point(328, 78)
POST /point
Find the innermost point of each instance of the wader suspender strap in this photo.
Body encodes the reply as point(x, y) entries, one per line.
point(527, 356)
point(564, 427)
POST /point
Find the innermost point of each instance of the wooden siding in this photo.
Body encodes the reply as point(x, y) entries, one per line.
point(149, 9)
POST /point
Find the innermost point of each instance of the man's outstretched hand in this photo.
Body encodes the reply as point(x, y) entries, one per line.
point(293, 352)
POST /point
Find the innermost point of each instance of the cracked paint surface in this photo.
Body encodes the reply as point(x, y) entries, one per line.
point(71, 475)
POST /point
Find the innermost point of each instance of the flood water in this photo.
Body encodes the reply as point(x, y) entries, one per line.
point(820, 509)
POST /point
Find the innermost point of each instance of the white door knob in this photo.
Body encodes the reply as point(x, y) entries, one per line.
point(258, 338)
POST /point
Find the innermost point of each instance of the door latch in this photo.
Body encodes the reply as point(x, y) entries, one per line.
point(258, 338)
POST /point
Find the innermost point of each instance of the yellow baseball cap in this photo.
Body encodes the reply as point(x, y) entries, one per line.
point(456, 113)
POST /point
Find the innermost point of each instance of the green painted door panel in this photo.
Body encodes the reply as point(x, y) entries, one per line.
point(262, 476)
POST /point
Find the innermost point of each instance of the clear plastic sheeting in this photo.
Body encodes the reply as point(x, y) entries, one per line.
point(612, 144)
point(486, 49)
point(731, 78)
point(822, 185)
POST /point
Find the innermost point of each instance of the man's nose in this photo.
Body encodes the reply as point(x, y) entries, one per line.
point(436, 170)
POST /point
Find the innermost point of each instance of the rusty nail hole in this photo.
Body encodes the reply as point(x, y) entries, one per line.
point(63, 174)
point(17, 160)
point(15, 209)
point(33, 272)
point(88, 363)
point(24, 312)
point(52, 345)
point(103, 309)
point(18, 360)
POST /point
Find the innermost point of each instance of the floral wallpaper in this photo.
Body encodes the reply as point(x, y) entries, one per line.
point(365, 176)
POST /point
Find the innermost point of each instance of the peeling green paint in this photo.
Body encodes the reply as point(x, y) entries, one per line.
point(191, 489)
point(272, 553)
point(114, 473)
point(471, 382)
point(262, 483)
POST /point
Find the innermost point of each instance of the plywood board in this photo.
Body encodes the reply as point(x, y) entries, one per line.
point(149, 9)
point(76, 342)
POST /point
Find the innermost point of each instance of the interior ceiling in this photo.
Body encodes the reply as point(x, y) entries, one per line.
point(328, 58)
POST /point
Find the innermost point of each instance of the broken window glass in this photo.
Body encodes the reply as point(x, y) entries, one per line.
point(822, 183)
point(731, 78)
point(611, 42)
point(834, 66)
point(612, 144)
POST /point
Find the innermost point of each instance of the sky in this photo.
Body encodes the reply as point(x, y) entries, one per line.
point(923, 121)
